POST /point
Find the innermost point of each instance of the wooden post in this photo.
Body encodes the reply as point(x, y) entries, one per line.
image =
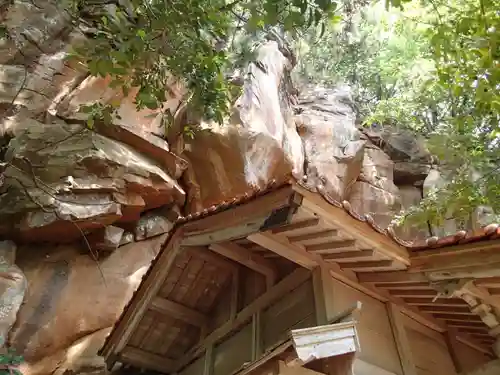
point(208, 368)
point(256, 336)
point(320, 289)
point(401, 339)
point(235, 288)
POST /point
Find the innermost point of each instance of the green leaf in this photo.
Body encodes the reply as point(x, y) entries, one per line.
point(141, 34)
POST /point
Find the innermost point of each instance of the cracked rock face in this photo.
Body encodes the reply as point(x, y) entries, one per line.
point(69, 297)
point(59, 174)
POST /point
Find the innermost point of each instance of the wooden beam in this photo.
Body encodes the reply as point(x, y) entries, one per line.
point(261, 206)
point(462, 310)
point(348, 255)
point(256, 336)
point(290, 282)
point(284, 249)
point(488, 281)
point(468, 329)
point(460, 260)
point(473, 344)
point(453, 347)
point(296, 225)
point(401, 339)
point(423, 301)
point(455, 250)
point(178, 311)
point(367, 264)
point(142, 297)
point(391, 277)
point(279, 243)
point(235, 292)
point(332, 245)
point(202, 252)
point(458, 318)
point(146, 360)
point(356, 229)
point(248, 259)
point(459, 324)
point(313, 236)
point(412, 293)
point(320, 290)
point(412, 285)
point(208, 366)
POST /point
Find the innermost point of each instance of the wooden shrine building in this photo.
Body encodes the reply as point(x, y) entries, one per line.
point(284, 282)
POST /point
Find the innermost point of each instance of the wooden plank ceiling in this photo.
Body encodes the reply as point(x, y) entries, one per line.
point(178, 313)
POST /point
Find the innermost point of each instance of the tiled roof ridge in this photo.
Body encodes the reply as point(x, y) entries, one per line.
point(488, 232)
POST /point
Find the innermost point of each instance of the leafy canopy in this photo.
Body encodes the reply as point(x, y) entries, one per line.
point(144, 43)
point(432, 68)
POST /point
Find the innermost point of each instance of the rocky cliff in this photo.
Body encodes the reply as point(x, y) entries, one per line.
point(83, 212)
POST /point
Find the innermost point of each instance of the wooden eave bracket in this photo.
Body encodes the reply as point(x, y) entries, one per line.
point(357, 229)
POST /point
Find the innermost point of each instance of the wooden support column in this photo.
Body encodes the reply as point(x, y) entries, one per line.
point(235, 289)
point(208, 368)
point(256, 336)
point(401, 339)
point(320, 290)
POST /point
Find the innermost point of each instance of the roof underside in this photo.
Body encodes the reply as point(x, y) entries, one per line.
point(265, 240)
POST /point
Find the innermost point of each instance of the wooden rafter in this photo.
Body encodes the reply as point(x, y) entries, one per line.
point(297, 225)
point(354, 228)
point(248, 259)
point(412, 293)
point(290, 282)
point(140, 302)
point(392, 277)
point(332, 245)
point(426, 263)
point(141, 358)
point(368, 264)
point(425, 301)
point(412, 285)
point(313, 236)
point(452, 251)
point(341, 256)
point(238, 221)
point(286, 250)
point(202, 252)
point(297, 254)
point(178, 311)
point(463, 310)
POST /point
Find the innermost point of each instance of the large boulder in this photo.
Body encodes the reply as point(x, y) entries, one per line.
point(70, 296)
point(12, 289)
point(259, 146)
point(33, 27)
point(64, 180)
point(412, 160)
point(332, 145)
point(374, 193)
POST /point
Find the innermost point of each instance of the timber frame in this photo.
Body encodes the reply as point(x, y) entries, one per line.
point(317, 241)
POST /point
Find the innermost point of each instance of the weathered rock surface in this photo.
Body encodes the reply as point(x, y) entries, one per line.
point(12, 289)
point(70, 296)
point(59, 174)
point(260, 144)
point(332, 145)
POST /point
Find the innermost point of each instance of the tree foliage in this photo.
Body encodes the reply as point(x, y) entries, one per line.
point(144, 43)
point(432, 67)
